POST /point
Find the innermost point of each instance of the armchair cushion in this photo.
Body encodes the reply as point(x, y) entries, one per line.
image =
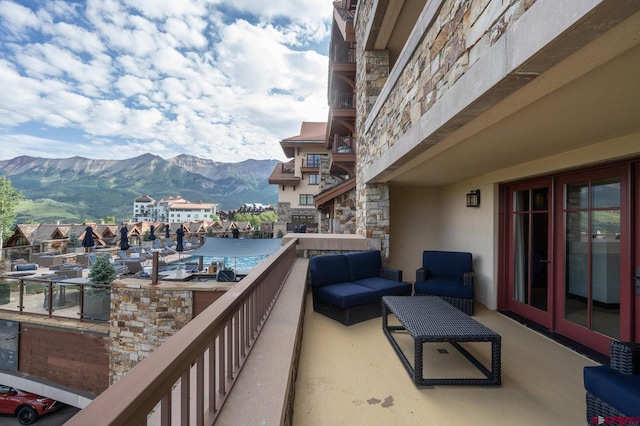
point(449, 287)
point(621, 391)
point(447, 264)
point(384, 287)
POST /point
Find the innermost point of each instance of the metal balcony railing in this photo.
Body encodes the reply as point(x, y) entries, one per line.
point(341, 53)
point(343, 100)
point(343, 145)
point(313, 163)
point(288, 168)
point(201, 361)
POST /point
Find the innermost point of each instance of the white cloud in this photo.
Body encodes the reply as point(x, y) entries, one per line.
point(166, 76)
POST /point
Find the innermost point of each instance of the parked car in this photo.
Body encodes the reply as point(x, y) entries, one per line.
point(25, 405)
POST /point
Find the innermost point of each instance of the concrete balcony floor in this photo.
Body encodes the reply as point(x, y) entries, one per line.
point(352, 376)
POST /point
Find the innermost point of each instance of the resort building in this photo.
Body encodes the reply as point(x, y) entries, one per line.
point(509, 130)
point(505, 129)
point(336, 199)
point(146, 209)
point(299, 179)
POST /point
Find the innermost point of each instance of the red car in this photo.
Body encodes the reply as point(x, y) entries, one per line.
point(25, 405)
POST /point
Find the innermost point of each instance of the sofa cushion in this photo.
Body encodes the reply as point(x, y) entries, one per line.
point(346, 295)
point(329, 269)
point(365, 264)
point(449, 287)
point(447, 263)
point(621, 391)
point(386, 287)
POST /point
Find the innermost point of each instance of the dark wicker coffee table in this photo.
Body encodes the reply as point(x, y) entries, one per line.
point(431, 319)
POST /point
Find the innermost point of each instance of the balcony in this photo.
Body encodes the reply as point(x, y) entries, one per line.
point(284, 174)
point(343, 101)
point(310, 165)
point(310, 370)
point(343, 155)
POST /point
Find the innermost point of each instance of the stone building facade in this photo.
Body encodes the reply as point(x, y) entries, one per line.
point(515, 98)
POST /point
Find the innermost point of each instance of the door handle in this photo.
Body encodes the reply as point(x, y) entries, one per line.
point(545, 261)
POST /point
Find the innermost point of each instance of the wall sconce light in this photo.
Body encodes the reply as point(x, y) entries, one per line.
point(473, 198)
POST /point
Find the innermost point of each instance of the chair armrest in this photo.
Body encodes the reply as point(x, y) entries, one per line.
point(422, 274)
point(625, 357)
point(391, 274)
point(468, 278)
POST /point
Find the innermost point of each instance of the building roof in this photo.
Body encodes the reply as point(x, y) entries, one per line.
point(190, 206)
point(144, 199)
point(312, 134)
point(283, 174)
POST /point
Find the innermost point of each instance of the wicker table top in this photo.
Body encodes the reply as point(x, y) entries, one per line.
point(431, 318)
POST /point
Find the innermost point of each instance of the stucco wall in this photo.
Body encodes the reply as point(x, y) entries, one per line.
point(437, 218)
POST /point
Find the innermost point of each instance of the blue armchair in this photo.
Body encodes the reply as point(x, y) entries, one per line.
point(449, 275)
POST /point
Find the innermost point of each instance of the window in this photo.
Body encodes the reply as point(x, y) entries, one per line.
point(313, 160)
point(300, 219)
point(306, 199)
point(314, 179)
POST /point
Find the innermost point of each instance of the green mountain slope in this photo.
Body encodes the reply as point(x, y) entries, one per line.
point(76, 189)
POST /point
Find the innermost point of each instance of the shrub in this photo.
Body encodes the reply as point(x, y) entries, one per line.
point(102, 271)
point(74, 242)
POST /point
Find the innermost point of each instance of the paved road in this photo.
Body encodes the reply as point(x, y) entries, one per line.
point(54, 419)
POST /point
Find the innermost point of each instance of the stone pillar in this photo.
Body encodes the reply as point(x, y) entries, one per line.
point(372, 200)
point(142, 318)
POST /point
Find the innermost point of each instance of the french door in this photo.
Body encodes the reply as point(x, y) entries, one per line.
point(530, 251)
point(572, 255)
point(593, 295)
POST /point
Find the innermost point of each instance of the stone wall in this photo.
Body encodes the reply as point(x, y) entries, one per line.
point(371, 201)
point(461, 32)
point(142, 318)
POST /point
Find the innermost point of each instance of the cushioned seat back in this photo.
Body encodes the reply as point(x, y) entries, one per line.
point(329, 269)
point(450, 264)
point(365, 264)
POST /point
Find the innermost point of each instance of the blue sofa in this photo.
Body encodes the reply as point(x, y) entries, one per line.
point(615, 390)
point(349, 287)
point(449, 275)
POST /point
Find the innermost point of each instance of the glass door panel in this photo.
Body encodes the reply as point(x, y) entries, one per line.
point(592, 255)
point(529, 254)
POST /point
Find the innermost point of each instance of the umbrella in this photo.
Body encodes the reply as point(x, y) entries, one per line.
point(152, 235)
point(179, 237)
point(124, 239)
point(87, 241)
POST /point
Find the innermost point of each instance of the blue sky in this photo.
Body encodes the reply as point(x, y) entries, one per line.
point(112, 79)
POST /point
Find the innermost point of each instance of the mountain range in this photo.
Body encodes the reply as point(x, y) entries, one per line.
point(77, 189)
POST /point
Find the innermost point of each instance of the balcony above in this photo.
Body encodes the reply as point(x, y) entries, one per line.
point(343, 155)
point(284, 174)
point(310, 166)
point(343, 14)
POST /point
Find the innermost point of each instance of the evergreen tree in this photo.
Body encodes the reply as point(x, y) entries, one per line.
point(9, 199)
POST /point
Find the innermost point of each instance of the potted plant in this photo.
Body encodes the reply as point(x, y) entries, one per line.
point(97, 299)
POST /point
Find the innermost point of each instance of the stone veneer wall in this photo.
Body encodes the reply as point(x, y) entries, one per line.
point(344, 206)
point(141, 320)
point(461, 33)
point(371, 200)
